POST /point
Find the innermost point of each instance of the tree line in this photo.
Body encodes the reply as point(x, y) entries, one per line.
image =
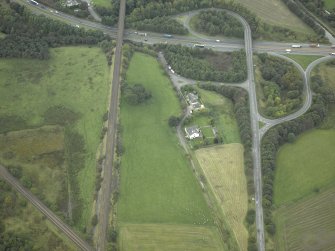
point(296, 9)
point(30, 36)
point(286, 132)
point(192, 63)
point(282, 85)
point(318, 7)
point(216, 22)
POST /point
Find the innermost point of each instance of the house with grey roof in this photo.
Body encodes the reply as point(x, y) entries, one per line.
point(193, 132)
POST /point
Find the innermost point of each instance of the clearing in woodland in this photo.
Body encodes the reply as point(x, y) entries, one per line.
point(223, 167)
point(166, 237)
point(307, 225)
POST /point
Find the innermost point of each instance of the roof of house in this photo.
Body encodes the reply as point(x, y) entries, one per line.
point(193, 129)
point(192, 97)
point(196, 105)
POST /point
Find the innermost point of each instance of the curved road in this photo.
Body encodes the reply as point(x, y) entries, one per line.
point(83, 245)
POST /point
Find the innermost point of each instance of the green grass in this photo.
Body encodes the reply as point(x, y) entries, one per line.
point(166, 237)
point(304, 166)
point(157, 185)
point(102, 3)
point(303, 60)
point(76, 77)
point(275, 12)
point(329, 4)
point(308, 224)
point(2, 35)
point(222, 111)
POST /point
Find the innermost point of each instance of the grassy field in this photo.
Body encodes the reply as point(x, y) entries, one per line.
point(276, 13)
point(303, 60)
point(329, 4)
point(157, 185)
point(165, 237)
point(304, 166)
point(2, 35)
point(40, 152)
point(223, 167)
point(307, 225)
point(29, 87)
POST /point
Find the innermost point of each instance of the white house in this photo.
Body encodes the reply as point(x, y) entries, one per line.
point(193, 132)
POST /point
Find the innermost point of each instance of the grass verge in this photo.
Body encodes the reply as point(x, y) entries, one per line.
point(303, 60)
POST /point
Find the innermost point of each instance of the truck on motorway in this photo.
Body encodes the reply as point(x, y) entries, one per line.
point(142, 34)
point(332, 54)
point(333, 46)
point(168, 36)
point(296, 46)
point(33, 2)
point(199, 45)
point(314, 45)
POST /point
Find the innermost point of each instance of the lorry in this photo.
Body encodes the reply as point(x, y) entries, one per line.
point(167, 36)
point(33, 2)
point(199, 45)
point(314, 45)
point(296, 46)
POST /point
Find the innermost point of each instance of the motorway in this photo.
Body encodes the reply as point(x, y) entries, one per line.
point(83, 245)
point(106, 186)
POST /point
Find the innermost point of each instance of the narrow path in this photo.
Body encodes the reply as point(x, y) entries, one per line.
point(106, 186)
point(83, 245)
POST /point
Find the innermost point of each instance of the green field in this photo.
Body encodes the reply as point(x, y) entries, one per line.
point(2, 35)
point(303, 60)
point(102, 3)
point(221, 110)
point(223, 167)
point(157, 184)
point(74, 77)
point(307, 225)
point(327, 73)
point(305, 166)
point(276, 13)
point(167, 237)
point(329, 4)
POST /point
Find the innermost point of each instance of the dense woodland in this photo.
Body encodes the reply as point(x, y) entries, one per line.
point(193, 63)
point(282, 85)
point(159, 24)
point(216, 22)
point(30, 36)
point(318, 7)
point(286, 132)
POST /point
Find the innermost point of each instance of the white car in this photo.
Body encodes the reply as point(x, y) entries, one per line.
point(288, 50)
point(332, 54)
point(217, 40)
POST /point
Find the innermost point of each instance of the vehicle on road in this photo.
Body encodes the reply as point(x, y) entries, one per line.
point(314, 45)
point(333, 46)
point(168, 36)
point(199, 45)
point(142, 34)
point(296, 46)
point(288, 50)
point(33, 2)
point(217, 40)
point(332, 54)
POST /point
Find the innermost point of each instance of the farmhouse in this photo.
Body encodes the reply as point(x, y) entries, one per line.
point(194, 102)
point(71, 3)
point(193, 132)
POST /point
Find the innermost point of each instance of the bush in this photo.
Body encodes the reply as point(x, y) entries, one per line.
point(136, 94)
point(174, 121)
point(251, 215)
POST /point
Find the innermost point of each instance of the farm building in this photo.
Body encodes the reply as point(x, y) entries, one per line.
point(193, 132)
